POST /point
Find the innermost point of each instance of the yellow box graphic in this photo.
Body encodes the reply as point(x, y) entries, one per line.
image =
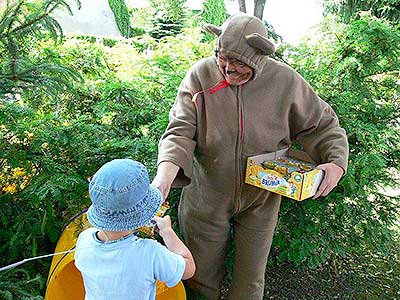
point(287, 172)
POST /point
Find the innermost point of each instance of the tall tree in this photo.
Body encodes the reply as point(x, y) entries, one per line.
point(169, 17)
point(259, 8)
point(349, 9)
point(122, 16)
point(242, 6)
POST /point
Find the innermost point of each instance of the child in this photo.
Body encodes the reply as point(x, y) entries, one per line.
point(114, 262)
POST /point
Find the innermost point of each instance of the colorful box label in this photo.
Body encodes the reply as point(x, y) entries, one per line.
point(285, 175)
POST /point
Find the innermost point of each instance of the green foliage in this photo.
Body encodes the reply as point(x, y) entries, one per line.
point(214, 12)
point(50, 147)
point(354, 68)
point(122, 17)
point(22, 25)
point(141, 20)
point(272, 33)
point(137, 31)
point(349, 9)
point(18, 284)
point(109, 42)
point(168, 19)
point(113, 102)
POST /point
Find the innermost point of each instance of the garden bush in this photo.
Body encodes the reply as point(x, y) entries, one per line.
point(51, 146)
point(85, 103)
point(355, 69)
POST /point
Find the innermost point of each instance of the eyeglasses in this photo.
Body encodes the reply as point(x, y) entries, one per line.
point(222, 60)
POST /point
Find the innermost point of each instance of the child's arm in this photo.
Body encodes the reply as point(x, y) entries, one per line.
point(174, 244)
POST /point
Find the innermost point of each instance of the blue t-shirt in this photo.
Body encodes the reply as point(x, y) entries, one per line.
point(126, 269)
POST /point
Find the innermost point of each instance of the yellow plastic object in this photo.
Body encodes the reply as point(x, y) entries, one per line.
point(65, 281)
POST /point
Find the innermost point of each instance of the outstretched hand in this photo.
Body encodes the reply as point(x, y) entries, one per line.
point(333, 173)
point(163, 185)
point(166, 173)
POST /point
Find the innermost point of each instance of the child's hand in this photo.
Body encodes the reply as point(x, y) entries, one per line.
point(163, 224)
point(174, 244)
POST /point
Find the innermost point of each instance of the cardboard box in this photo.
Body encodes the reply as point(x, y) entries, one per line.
point(287, 172)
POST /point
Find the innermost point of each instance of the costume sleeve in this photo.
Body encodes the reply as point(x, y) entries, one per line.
point(177, 144)
point(168, 266)
point(316, 126)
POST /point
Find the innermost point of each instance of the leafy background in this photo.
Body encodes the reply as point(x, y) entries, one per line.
point(70, 104)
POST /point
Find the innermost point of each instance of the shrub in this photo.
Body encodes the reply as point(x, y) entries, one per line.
point(51, 148)
point(355, 69)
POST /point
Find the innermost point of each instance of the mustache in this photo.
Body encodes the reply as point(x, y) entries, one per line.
point(229, 72)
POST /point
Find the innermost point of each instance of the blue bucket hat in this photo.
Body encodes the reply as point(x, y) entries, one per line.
point(122, 197)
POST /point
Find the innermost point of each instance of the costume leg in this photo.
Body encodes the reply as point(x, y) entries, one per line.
point(205, 232)
point(253, 232)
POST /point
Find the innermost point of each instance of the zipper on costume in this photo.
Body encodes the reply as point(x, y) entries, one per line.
point(241, 142)
point(239, 151)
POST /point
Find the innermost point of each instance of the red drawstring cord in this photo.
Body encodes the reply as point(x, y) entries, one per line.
point(222, 84)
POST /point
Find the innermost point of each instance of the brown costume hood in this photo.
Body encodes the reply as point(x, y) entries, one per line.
point(243, 37)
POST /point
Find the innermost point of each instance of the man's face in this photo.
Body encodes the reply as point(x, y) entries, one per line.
point(235, 71)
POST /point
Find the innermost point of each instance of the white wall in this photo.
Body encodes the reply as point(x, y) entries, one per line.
point(94, 18)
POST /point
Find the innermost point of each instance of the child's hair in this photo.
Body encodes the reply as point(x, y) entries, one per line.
point(122, 197)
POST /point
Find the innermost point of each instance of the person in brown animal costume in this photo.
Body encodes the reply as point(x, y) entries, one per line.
point(236, 104)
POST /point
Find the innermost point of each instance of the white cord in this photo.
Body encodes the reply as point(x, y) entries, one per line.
point(34, 258)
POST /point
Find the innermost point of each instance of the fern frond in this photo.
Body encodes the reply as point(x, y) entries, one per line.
point(29, 17)
point(15, 11)
point(53, 79)
point(59, 4)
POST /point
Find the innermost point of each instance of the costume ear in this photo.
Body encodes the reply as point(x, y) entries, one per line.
point(256, 40)
point(212, 29)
